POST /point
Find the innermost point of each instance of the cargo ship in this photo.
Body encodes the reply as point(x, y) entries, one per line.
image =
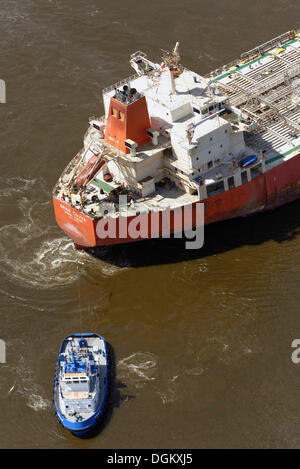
point(171, 139)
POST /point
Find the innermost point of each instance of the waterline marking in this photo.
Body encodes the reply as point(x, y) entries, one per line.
point(2, 351)
point(186, 220)
point(2, 92)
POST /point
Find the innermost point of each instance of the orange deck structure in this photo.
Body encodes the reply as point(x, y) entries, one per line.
point(127, 122)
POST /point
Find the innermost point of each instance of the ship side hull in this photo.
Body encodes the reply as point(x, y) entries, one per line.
point(276, 187)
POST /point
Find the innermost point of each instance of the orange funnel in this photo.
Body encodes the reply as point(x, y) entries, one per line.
point(127, 121)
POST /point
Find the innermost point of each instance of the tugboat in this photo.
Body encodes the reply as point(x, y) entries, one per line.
point(171, 139)
point(81, 382)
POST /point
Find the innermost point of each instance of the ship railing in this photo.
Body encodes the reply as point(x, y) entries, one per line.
point(276, 41)
point(251, 54)
point(138, 53)
point(120, 83)
point(99, 119)
point(219, 71)
point(93, 118)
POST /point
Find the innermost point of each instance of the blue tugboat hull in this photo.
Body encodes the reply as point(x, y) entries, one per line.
point(80, 427)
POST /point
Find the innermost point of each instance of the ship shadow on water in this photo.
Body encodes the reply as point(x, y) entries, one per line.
point(279, 225)
point(116, 396)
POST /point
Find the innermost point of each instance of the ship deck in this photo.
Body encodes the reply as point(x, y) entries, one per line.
point(266, 88)
point(166, 198)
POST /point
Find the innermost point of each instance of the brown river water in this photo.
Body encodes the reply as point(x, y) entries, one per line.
point(201, 339)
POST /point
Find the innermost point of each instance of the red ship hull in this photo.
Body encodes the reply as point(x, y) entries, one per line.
point(270, 190)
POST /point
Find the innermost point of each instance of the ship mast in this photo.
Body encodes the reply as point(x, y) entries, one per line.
point(171, 61)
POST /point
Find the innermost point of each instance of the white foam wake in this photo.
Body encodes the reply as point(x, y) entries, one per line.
point(31, 251)
point(28, 252)
point(139, 367)
point(23, 386)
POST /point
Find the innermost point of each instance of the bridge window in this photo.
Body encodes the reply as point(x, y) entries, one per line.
point(231, 182)
point(255, 171)
point(244, 177)
point(215, 188)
